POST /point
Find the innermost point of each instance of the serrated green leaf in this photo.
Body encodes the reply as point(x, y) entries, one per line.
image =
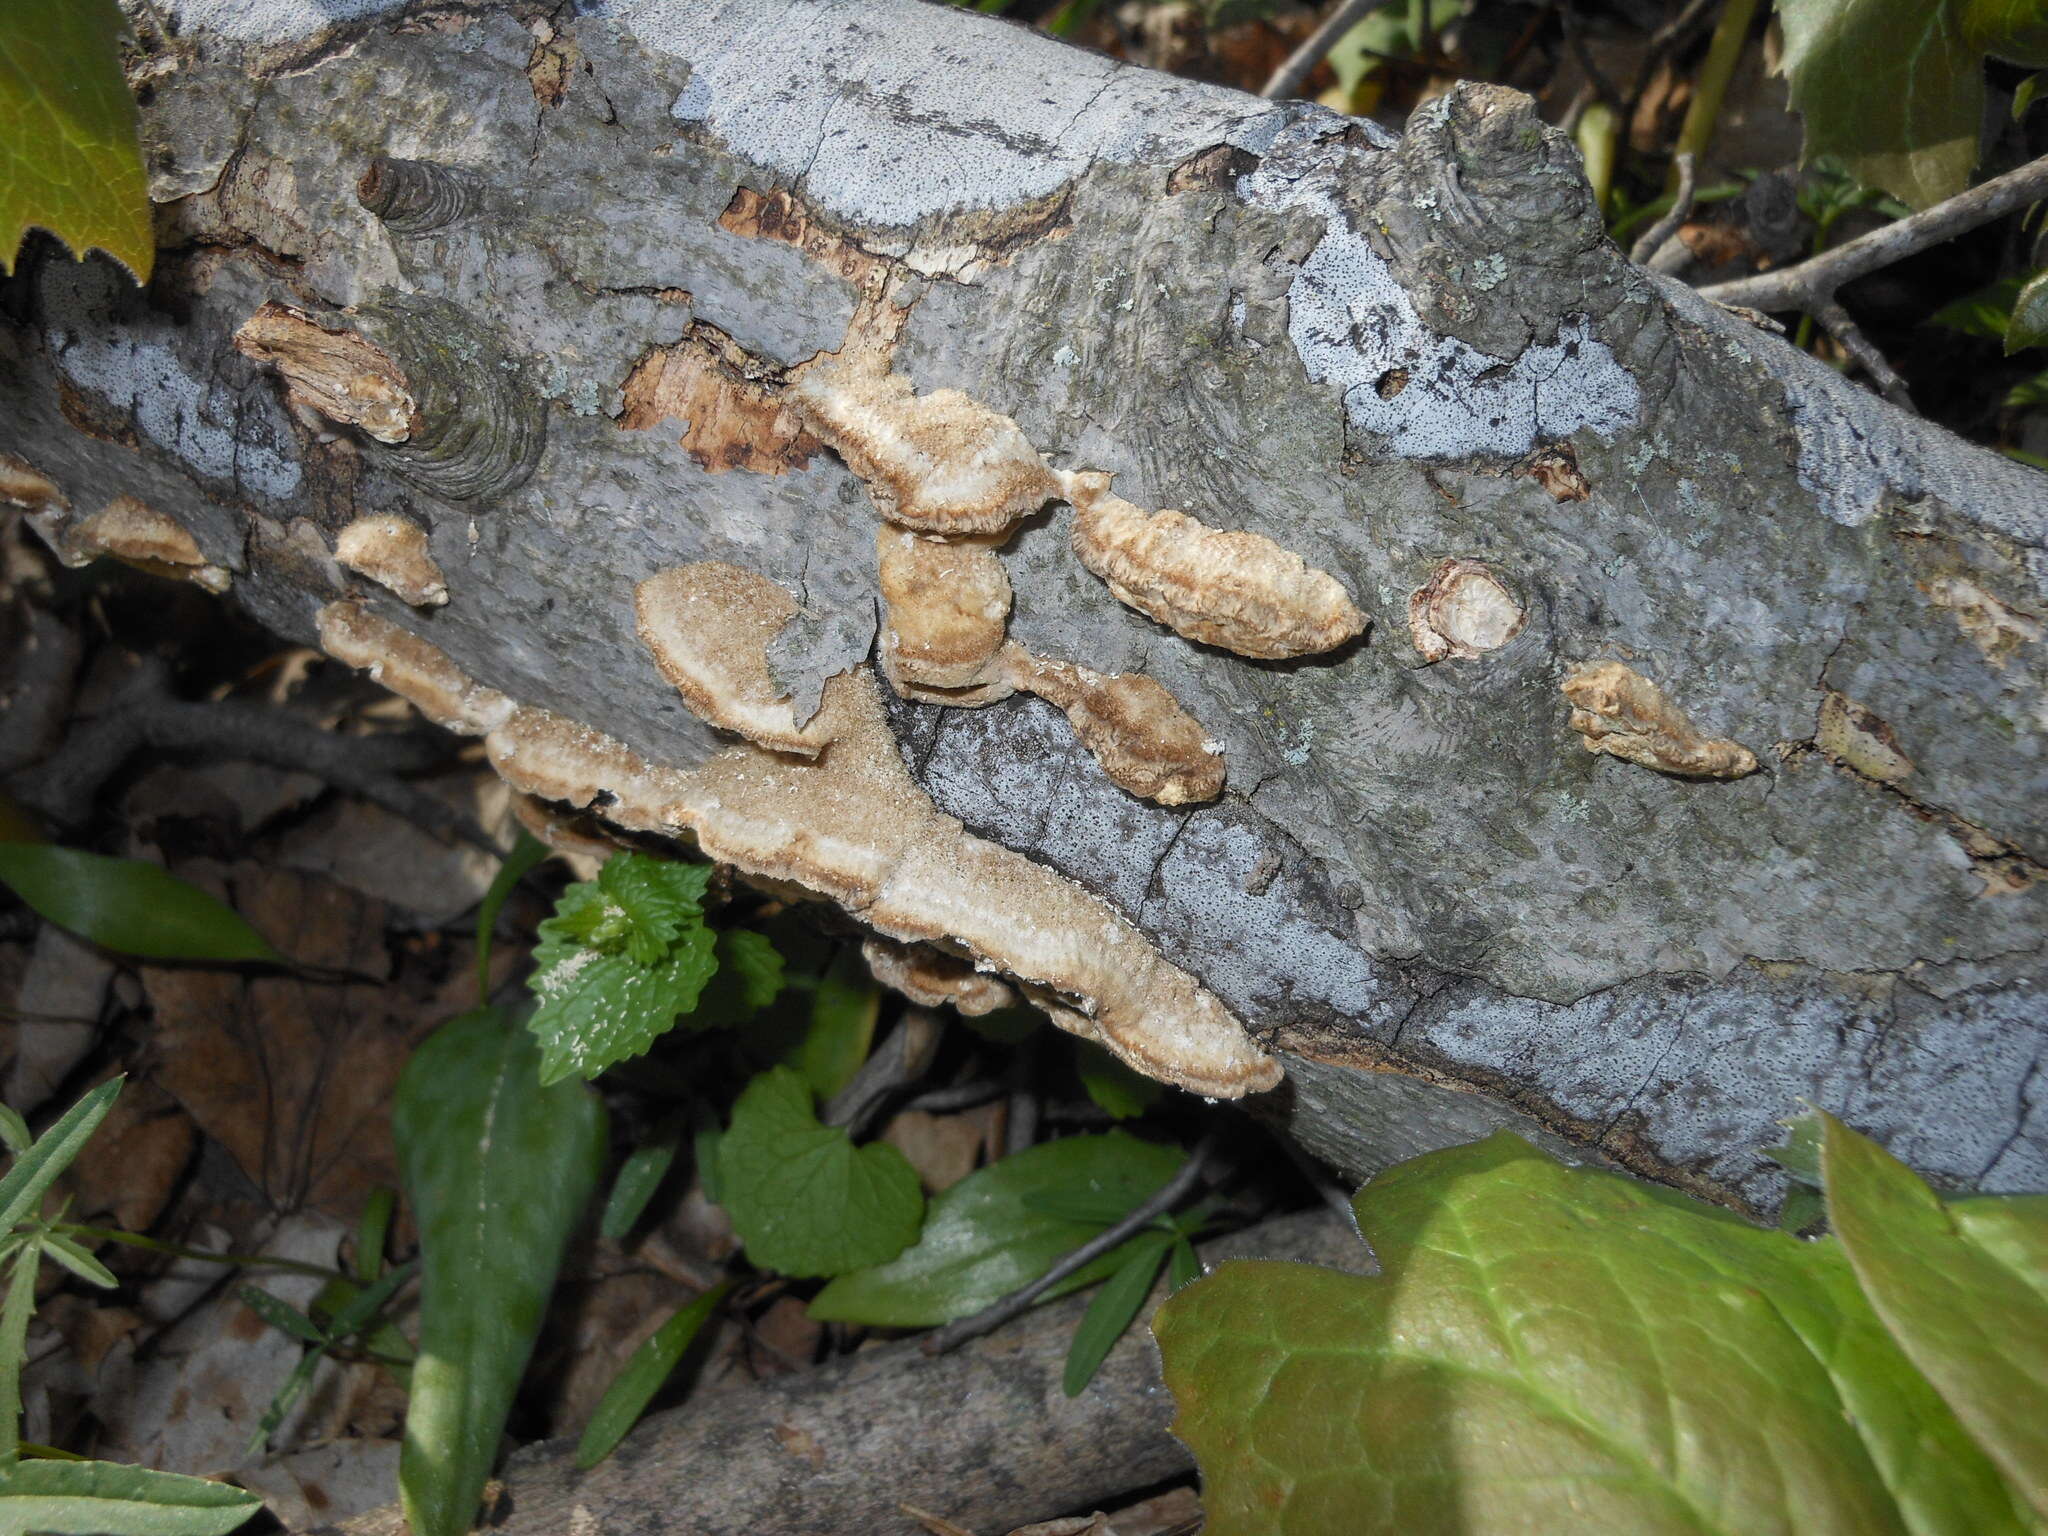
point(34, 1171)
point(1963, 1289)
point(638, 1178)
point(526, 853)
point(1895, 88)
point(2029, 324)
point(1557, 1349)
point(842, 1025)
point(498, 1169)
point(802, 1197)
point(656, 897)
point(753, 962)
point(983, 1238)
point(70, 160)
point(101, 1498)
point(1114, 1309)
point(128, 906)
point(15, 1312)
point(642, 1376)
point(597, 1010)
point(1117, 1090)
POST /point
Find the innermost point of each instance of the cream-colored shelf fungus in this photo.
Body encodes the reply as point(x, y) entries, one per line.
point(1620, 712)
point(846, 824)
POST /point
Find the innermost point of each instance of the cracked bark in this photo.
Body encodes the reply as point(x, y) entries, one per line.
point(1419, 887)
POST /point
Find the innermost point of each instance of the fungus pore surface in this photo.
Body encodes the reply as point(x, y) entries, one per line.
point(1623, 714)
point(1231, 588)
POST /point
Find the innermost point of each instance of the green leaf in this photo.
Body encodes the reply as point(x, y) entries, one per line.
point(497, 1168)
point(842, 1026)
point(1895, 88)
point(2028, 393)
point(638, 1178)
point(1986, 312)
point(70, 159)
point(1118, 1091)
point(283, 1316)
point(597, 1010)
point(371, 1231)
point(78, 1260)
point(13, 1129)
point(2026, 93)
point(1183, 1267)
point(34, 1171)
point(1963, 1287)
point(642, 1376)
point(704, 1148)
point(15, 1312)
point(802, 1197)
point(983, 1238)
point(2029, 324)
point(1114, 1309)
point(102, 1498)
point(128, 906)
point(526, 853)
point(749, 978)
point(656, 897)
point(1558, 1349)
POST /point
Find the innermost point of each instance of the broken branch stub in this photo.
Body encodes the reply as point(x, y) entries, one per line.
point(1231, 588)
point(1620, 712)
point(1463, 610)
point(331, 373)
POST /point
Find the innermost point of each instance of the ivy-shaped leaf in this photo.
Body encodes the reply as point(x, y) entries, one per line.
point(802, 1197)
point(70, 161)
point(1895, 88)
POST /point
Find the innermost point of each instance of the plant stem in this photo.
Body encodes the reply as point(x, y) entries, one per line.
point(1731, 32)
point(176, 1251)
point(1286, 80)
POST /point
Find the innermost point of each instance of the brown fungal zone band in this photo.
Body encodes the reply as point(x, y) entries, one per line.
point(849, 826)
point(1620, 712)
point(331, 373)
point(931, 978)
point(708, 626)
point(1138, 732)
point(1231, 588)
point(945, 611)
point(137, 534)
point(393, 552)
point(734, 416)
point(1463, 610)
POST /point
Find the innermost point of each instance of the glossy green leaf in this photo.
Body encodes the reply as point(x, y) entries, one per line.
point(1963, 1287)
point(801, 1196)
point(656, 897)
point(1895, 88)
point(842, 1027)
point(526, 853)
point(70, 160)
point(642, 1376)
point(498, 1169)
point(34, 1171)
point(2029, 324)
point(983, 1239)
point(128, 906)
point(1118, 1090)
point(1558, 1349)
point(1114, 1309)
point(101, 1498)
point(638, 1178)
point(1183, 1266)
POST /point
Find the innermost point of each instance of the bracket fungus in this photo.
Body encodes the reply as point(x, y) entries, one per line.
point(931, 978)
point(1620, 712)
point(1231, 588)
point(1137, 730)
point(331, 373)
point(945, 609)
point(392, 551)
point(136, 533)
point(1859, 740)
point(939, 463)
point(1463, 610)
point(708, 627)
point(417, 672)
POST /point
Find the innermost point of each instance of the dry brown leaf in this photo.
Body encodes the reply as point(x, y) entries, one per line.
point(942, 1148)
point(130, 1170)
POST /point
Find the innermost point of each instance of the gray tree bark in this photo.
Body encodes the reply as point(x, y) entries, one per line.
point(1420, 889)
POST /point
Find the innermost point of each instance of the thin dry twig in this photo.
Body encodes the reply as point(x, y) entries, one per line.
point(1811, 284)
point(1836, 321)
point(993, 1316)
point(1286, 80)
point(1654, 237)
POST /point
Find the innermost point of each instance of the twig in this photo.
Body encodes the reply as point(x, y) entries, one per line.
point(904, 1058)
point(1681, 208)
point(942, 1101)
point(1835, 320)
point(993, 1316)
point(1661, 42)
point(45, 675)
point(1286, 80)
point(1810, 284)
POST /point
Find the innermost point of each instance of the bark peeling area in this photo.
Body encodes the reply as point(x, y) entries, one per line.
point(1418, 885)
